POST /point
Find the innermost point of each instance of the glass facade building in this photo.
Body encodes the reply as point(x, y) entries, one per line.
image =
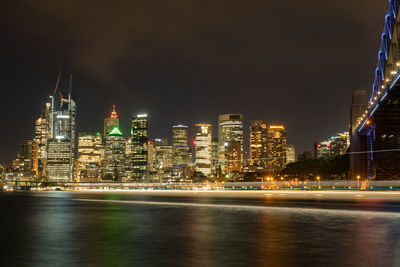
point(140, 138)
point(180, 148)
point(203, 150)
point(258, 143)
point(88, 164)
point(230, 142)
point(61, 145)
point(114, 158)
point(276, 148)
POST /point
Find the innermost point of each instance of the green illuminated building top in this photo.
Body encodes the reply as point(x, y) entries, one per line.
point(115, 132)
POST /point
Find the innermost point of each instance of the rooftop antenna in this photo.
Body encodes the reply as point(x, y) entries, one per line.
point(42, 113)
point(70, 83)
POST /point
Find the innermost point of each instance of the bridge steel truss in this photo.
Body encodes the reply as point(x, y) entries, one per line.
point(377, 136)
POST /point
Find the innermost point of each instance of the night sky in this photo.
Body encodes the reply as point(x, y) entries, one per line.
point(292, 62)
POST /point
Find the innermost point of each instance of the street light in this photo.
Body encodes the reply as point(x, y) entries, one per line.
point(319, 182)
point(358, 181)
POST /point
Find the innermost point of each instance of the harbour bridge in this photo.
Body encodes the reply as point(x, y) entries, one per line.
point(375, 133)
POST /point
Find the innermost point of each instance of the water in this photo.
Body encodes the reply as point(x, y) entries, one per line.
point(177, 229)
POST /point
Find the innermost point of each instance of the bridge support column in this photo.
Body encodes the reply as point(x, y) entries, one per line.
point(358, 157)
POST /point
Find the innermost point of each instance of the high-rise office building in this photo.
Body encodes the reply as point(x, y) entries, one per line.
point(203, 150)
point(150, 161)
point(162, 160)
point(61, 145)
point(215, 166)
point(128, 158)
point(276, 148)
point(140, 137)
point(114, 160)
point(88, 165)
point(27, 160)
point(258, 143)
point(290, 154)
point(181, 157)
point(234, 155)
point(180, 146)
point(59, 161)
point(42, 136)
point(65, 119)
point(340, 143)
point(111, 122)
point(230, 142)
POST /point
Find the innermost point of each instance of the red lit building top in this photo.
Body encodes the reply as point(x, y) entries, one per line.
point(113, 114)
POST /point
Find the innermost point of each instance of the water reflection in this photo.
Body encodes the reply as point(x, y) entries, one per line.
point(54, 235)
point(62, 229)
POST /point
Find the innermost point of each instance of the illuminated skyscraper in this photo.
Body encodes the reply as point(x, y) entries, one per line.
point(128, 158)
point(340, 143)
point(150, 161)
point(27, 160)
point(181, 157)
point(180, 145)
point(59, 161)
point(114, 165)
point(203, 151)
point(276, 148)
point(61, 145)
point(42, 136)
point(88, 167)
point(140, 137)
point(290, 154)
point(111, 122)
point(162, 160)
point(230, 142)
point(258, 143)
point(215, 166)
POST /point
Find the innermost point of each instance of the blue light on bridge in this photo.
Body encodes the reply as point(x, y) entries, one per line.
point(387, 35)
point(362, 126)
point(396, 78)
point(373, 111)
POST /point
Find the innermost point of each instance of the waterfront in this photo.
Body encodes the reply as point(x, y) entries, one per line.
point(200, 228)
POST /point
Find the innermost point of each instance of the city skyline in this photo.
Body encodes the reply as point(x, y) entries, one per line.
point(228, 80)
point(200, 133)
point(111, 122)
point(58, 153)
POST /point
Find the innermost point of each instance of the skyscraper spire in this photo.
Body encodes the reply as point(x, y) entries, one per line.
point(70, 84)
point(113, 114)
point(111, 122)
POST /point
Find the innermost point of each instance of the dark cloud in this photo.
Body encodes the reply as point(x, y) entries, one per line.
point(186, 61)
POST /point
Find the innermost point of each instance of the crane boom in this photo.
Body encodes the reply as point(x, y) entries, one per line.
point(58, 81)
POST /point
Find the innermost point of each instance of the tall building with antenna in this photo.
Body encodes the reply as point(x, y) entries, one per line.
point(111, 122)
point(61, 144)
